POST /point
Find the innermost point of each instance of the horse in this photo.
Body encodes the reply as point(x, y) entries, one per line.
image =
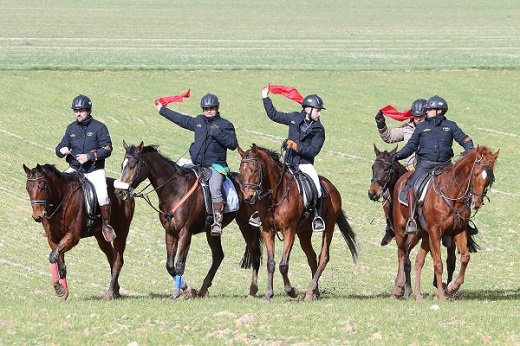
point(58, 203)
point(384, 177)
point(273, 191)
point(182, 214)
point(446, 210)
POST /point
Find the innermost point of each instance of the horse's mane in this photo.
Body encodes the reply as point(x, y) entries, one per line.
point(273, 154)
point(472, 154)
point(47, 167)
point(152, 148)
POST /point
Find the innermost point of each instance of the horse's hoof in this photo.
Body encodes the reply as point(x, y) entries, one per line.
point(418, 297)
point(310, 297)
point(452, 288)
point(293, 293)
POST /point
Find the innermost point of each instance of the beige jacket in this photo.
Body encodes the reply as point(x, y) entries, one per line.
point(400, 134)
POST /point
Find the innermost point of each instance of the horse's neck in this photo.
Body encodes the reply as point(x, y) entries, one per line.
point(399, 170)
point(274, 180)
point(455, 179)
point(161, 170)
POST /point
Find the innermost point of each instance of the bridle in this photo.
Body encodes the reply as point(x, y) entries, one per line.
point(44, 201)
point(386, 181)
point(257, 188)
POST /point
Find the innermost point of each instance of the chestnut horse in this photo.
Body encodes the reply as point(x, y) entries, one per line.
point(58, 202)
point(273, 191)
point(384, 177)
point(182, 214)
point(446, 210)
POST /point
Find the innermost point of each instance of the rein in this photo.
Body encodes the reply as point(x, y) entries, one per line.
point(468, 193)
point(44, 202)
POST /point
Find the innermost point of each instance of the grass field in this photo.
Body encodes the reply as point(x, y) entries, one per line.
point(359, 56)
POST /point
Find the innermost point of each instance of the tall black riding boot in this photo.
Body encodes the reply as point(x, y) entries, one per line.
point(318, 224)
point(411, 224)
point(389, 231)
point(216, 227)
point(108, 232)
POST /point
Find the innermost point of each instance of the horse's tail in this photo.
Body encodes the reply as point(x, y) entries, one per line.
point(348, 234)
point(472, 245)
point(246, 262)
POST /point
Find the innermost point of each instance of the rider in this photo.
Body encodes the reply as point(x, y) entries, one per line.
point(85, 146)
point(432, 141)
point(213, 136)
point(306, 138)
point(398, 134)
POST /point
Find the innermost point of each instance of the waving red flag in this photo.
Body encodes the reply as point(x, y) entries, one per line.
point(287, 91)
point(393, 113)
point(174, 98)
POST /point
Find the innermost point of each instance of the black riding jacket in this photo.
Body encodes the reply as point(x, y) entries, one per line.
point(206, 149)
point(87, 137)
point(432, 140)
point(308, 136)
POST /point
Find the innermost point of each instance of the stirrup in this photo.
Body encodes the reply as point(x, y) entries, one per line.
point(216, 230)
point(411, 226)
point(108, 233)
point(318, 225)
point(254, 220)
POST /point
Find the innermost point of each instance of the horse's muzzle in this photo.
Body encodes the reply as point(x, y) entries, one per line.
point(373, 195)
point(38, 218)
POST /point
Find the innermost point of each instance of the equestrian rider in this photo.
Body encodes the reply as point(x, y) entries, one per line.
point(400, 134)
point(214, 135)
point(305, 140)
point(432, 142)
point(85, 146)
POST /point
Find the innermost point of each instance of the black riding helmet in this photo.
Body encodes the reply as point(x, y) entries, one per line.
point(209, 100)
point(81, 102)
point(313, 101)
point(418, 107)
point(437, 102)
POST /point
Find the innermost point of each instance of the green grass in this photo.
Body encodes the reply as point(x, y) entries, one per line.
point(349, 54)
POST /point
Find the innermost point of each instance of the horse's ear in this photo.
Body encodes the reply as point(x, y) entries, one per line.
point(394, 150)
point(377, 151)
point(26, 169)
point(139, 147)
point(38, 167)
point(495, 155)
point(241, 151)
point(125, 145)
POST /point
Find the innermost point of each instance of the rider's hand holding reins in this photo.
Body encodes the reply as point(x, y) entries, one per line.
point(292, 145)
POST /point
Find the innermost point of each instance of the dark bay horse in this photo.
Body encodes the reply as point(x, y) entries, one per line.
point(446, 210)
point(273, 191)
point(58, 202)
point(182, 214)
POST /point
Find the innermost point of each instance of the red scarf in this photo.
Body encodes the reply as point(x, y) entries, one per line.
point(174, 98)
point(287, 91)
point(393, 113)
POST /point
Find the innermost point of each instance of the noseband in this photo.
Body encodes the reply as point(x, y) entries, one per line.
point(491, 180)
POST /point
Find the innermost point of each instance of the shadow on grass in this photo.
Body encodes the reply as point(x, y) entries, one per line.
point(480, 295)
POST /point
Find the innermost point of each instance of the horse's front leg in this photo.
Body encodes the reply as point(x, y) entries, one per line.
point(288, 242)
point(58, 270)
point(268, 237)
point(217, 256)
point(411, 241)
point(437, 261)
point(461, 241)
point(419, 264)
point(398, 289)
point(171, 241)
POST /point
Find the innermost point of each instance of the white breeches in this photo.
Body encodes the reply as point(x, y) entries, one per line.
point(309, 169)
point(99, 180)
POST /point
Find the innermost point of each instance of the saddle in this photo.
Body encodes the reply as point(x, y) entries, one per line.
point(421, 186)
point(228, 190)
point(91, 205)
point(308, 189)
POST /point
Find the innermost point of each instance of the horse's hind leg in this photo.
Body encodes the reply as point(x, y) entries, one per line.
point(115, 262)
point(217, 256)
point(313, 290)
point(252, 255)
point(284, 264)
